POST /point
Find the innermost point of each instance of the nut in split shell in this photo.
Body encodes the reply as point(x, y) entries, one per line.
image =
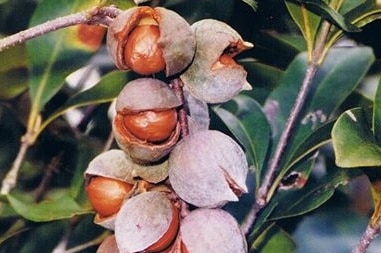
point(115, 171)
point(213, 231)
point(208, 169)
point(146, 124)
point(214, 76)
point(148, 40)
point(106, 195)
point(148, 222)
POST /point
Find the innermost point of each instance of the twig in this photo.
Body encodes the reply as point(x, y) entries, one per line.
point(48, 174)
point(10, 179)
point(96, 15)
point(263, 195)
point(367, 237)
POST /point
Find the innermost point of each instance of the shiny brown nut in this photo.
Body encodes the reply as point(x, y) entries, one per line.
point(149, 40)
point(106, 195)
point(150, 125)
point(142, 52)
point(145, 125)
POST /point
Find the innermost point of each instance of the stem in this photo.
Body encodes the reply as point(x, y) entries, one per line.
point(264, 193)
point(367, 237)
point(177, 86)
point(96, 15)
point(10, 179)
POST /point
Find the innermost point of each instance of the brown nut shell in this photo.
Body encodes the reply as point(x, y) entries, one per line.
point(143, 221)
point(116, 164)
point(213, 76)
point(142, 95)
point(212, 231)
point(176, 38)
point(208, 169)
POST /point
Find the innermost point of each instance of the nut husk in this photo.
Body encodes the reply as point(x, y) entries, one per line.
point(116, 164)
point(212, 231)
point(176, 37)
point(142, 221)
point(207, 169)
point(208, 77)
point(144, 94)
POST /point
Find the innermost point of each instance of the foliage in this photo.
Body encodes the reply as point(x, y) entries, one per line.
point(337, 126)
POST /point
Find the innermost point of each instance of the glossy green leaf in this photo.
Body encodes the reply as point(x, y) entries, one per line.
point(273, 239)
point(361, 15)
point(312, 142)
point(291, 203)
point(121, 4)
point(16, 228)
point(376, 121)
point(307, 22)
point(321, 8)
point(252, 3)
point(249, 125)
point(104, 91)
point(319, 106)
point(13, 74)
point(55, 55)
point(47, 210)
point(353, 141)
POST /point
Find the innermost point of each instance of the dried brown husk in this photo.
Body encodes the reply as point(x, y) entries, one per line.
point(203, 79)
point(207, 169)
point(144, 94)
point(116, 164)
point(142, 221)
point(176, 37)
point(212, 231)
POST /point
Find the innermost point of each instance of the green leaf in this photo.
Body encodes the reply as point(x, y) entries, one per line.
point(252, 3)
point(323, 9)
point(307, 22)
point(249, 125)
point(121, 4)
point(273, 239)
point(55, 55)
point(104, 91)
point(13, 75)
point(353, 141)
point(311, 143)
point(361, 15)
point(291, 203)
point(319, 106)
point(376, 126)
point(47, 210)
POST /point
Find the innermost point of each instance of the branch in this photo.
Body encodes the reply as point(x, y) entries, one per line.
point(264, 194)
point(367, 238)
point(95, 16)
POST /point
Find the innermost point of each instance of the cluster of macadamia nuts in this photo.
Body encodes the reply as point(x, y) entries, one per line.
point(163, 190)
